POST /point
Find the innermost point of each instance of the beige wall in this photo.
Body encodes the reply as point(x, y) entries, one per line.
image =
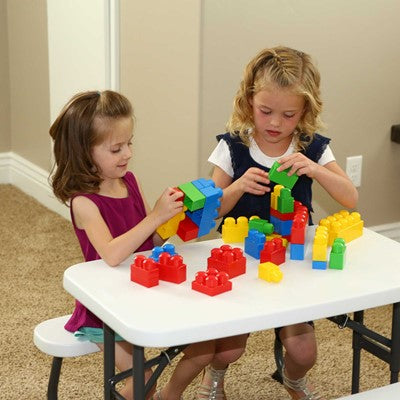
point(356, 46)
point(5, 135)
point(160, 75)
point(29, 80)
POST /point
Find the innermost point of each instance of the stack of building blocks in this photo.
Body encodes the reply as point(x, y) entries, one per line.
point(201, 201)
point(235, 231)
point(254, 243)
point(163, 264)
point(270, 272)
point(145, 271)
point(274, 251)
point(211, 282)
point(343, 225)
point(320, 248)
point(227, 259)
point(298, 233)
point(338, 254)
point(282, 177)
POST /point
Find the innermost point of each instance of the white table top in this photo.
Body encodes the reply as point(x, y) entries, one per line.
point(170, 314)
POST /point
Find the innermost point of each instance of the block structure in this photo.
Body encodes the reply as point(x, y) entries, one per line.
point(274, 251)
point(211, 282)
point(338, 254)
point(227, 259)
point(201, 202)
point(144, 271)
point(320, 248)
point(254, 243)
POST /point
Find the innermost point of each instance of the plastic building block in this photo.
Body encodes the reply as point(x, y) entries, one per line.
point(296, 251)
point(171, 267)
point(282, 216)
point(274, 196)
point(210, 209)
point(187, 229)
point(166, 248)
point(319, 264)
point(234, 231)
point(270, 272)
point(144, 271)
point(320, 244)
point(282, 176)
point(338, 253)
point(276, 235)
point(261, 225)
point(254, 243)
point(285, 201)
point(194, 199)
point(343, 225)
point(195, 216)
point(298, 231)
point(273, 251)
point(170, 227)
point(227, 259)
point(211, 282)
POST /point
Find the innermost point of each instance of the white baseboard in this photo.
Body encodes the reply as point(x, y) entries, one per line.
point(31, 179)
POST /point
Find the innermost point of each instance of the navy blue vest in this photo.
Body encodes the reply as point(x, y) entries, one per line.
point(250, 204)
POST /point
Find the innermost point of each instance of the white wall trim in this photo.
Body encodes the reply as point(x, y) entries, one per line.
point(31, 179)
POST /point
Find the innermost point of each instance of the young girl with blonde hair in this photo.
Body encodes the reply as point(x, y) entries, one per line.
point(276, 116)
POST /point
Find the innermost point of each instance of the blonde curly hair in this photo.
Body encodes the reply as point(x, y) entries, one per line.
point(285, 68)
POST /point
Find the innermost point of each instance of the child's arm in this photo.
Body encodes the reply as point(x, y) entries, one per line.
point(114, 250)
point(330, 176)
point(253, 181)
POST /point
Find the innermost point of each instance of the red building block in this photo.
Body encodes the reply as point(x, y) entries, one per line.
point(298, 232)
point(144, 271)
point(172, 269)
point(228, 259)
point(187, 229)
point(212, 282)
point(274, 251)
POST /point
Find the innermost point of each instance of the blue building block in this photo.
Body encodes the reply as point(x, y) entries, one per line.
point(286, 227)
point(195, 216)
point(210, 209)
point(276, 222)
point(296, 251)
point(203, 183)
point(319, 264)
point(254, 243)
point(166, 248)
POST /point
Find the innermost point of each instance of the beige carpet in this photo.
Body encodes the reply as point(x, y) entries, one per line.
point(37, 246)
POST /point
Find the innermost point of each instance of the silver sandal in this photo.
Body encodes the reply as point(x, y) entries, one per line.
point(300, 385)
point(213, 391)
point(157, 395)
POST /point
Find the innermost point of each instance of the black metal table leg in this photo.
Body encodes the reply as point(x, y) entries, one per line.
point(395, 348)
point(138, 375)
point(109, 361)
point(355, 380)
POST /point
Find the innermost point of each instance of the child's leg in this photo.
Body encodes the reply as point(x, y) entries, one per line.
point(196, 357)
point(123, 361)
point(227, 351)
point(301, 354)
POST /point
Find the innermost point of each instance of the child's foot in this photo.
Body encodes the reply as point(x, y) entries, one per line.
point(300, 389)
point(212, 385)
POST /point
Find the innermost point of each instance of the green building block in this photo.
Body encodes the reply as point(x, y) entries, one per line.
point(194, 199)
point(282, 177)
point(261, 225)
point(336, 259)
point(285, 201)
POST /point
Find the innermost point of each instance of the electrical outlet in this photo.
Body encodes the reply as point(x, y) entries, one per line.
point(353, 169)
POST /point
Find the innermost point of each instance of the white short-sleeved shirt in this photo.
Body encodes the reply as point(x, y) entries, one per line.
point(221, 156)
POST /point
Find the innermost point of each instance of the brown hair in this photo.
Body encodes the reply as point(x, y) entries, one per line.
point(287, 69)
point(74, 134)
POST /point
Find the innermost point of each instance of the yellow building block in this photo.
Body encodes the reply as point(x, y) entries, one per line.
point(234, 231)
point(277, 235)
point(270, 272)
point(170, 227)
point(320, 244)
point(274, 196)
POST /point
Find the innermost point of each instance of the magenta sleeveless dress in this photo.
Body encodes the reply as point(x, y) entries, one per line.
point(120, 216)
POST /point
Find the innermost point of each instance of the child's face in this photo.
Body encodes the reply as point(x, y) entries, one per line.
point(112, 155)
point(276, 113)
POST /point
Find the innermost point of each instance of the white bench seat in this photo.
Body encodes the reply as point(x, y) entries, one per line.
point(389, 392)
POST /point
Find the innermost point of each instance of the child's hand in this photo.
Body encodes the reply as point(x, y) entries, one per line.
point(168, 205)
point(299, 164)
point(254, 181)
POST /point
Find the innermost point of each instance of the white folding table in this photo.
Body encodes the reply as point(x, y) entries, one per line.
point(170, 315)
